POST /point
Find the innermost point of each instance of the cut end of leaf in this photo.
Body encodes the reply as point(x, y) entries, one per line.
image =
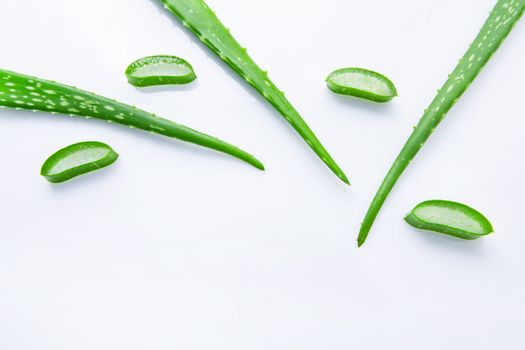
point(362, 83)
point(160, 70)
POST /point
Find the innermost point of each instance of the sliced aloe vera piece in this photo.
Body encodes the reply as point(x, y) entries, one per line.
point(450, 218)
point(160, 70)
point(77, 159)
point(362, 83)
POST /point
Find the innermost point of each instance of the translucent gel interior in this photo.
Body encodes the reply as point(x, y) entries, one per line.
point(162, 69)
point(363, 82)
point(452, 217)
point(79, 157)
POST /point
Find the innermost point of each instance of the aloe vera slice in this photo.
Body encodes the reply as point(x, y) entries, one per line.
point(450, 218)
point(160, 70)
point(77, 159)
point(25, 92)
point(362, 83)
point(197, 16)
point(498, 25)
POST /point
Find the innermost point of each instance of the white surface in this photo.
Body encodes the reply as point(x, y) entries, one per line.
point(177, 247)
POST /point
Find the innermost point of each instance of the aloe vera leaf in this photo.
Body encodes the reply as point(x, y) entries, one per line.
point(500, 22)
point(450, 218)
point(202, 21)
point(77, 159)
point(25, 92)
point(362, 83)
point(160, 70)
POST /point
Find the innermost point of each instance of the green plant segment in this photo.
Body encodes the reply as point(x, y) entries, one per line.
point(498, 25)
point(77, 159)
point(202, 21)
point(160, 70)
point(362, 83)
point(449, 218)
point(25, 92)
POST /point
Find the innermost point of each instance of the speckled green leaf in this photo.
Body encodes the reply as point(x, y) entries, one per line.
point(25, 92)
point(202, 21)
point(496, 28)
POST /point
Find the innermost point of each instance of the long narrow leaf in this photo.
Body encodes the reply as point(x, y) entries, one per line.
point(202, 21)
point(499, 24)
point(26, 92)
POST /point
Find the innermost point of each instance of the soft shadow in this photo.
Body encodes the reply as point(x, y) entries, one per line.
point(361, 104)
point(85, 179)
point(451, 243)
point(168, 88)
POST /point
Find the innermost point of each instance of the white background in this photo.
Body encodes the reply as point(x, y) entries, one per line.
point(178, 247)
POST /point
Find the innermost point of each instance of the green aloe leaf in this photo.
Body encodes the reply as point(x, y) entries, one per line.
point(25, 92)
point(202, 21)
point(500, 22)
